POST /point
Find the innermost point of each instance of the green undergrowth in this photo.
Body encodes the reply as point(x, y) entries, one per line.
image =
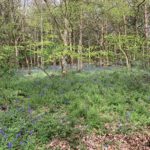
point(35, 109)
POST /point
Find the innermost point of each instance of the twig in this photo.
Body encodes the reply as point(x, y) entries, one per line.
point(45, 72)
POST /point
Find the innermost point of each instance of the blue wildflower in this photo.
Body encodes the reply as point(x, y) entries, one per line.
point(2, 132)
point(18, 135)
point(29, 109)
point(21, 143)
point(31, 132)
point(9, 145)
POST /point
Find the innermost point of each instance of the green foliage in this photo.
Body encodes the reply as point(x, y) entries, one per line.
point(128, 42)
point(117, 9)
point(129, 45)
point(39, 109)
point(6, 53)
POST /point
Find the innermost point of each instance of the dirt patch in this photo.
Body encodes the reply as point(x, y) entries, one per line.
point(117, 142)
point(58, 144)
point(106, 142)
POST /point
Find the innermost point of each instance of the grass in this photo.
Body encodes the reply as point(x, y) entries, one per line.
point(39, 109)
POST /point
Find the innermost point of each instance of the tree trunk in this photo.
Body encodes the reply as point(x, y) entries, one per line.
point(28, 65)
point(41, 24)
point(146, 20)
point(17, 54)
point(146, 32)
point(71, 47)
point(125, 25)
point(65, 40)
point(125, 55)
point(80, 63)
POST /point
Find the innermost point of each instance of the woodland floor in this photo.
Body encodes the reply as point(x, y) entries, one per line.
point(91, 110)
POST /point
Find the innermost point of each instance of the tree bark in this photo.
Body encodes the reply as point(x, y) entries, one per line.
point(65, 40)
point(41, 24)
point(80, 63)
point(146, 30)
point(17, 53)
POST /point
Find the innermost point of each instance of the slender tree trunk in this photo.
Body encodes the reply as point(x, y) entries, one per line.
point(28, 64)
point(146, 32)
point(41, 24)
point(17, 53)
point(125, 25)
point(125, 55)
point(80, 63)
point(34, 57)
point(74, 46)
point(65, 40)
point(106, 45)
point(71, 48)
point(31, 61)
point(146, 20)
point(89, 55)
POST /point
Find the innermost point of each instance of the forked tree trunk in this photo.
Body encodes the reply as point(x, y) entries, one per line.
point(128, 65)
